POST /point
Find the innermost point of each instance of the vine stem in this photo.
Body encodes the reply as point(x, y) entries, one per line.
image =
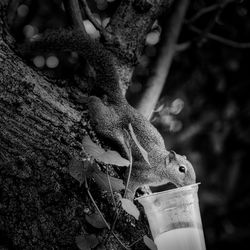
point(127, 183)
point(117, 212)
point(132, 244)
point(130, 164)
point(111, 189)
point(99, 211)
point(93, 201)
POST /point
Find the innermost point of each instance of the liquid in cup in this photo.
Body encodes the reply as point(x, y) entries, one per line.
point(174, 218)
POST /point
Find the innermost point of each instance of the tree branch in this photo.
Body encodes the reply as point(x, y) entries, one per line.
point(210, 25)
point(163, 62)
point(93, 20)
point(130, 27)
point(222, 40)
point(42, 125)
point(74, 12)
point(182, 46)
point(12, 8)
point(208, 9)
point(203, 12)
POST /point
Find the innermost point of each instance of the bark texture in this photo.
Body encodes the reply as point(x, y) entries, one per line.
point(129, 27)
point(41, 129)
point(39, 135)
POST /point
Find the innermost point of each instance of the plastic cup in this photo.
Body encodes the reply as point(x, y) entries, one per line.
point(174, 218)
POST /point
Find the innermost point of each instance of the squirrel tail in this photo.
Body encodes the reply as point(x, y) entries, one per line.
point(89, 49)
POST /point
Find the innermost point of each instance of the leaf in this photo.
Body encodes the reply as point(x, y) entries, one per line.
point(95, 220)
point(107, 157)
point(86, 242)
point(78, 169)
point(142, 150)
point(102, 181)
point(91, 147)
point(130, 207)
point(114, 158)
point(149, 243)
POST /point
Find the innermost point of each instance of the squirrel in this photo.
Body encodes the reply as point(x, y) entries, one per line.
point(111, 115)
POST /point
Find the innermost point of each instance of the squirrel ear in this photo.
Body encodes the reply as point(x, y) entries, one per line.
point(172, 155)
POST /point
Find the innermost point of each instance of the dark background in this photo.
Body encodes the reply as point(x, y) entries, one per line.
point(204, 110)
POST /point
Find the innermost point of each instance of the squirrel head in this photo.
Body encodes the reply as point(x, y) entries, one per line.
point(180, 170)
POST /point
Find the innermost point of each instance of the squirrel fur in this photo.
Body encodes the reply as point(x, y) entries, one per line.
point(111, 115)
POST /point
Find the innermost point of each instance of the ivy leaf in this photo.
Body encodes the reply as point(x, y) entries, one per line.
point(107, 157)
point(91, 147)
point(149, 243)
point(130, 207)
point(95, 220)
point(102, 181)
point(114, 158)
point(142, 150)
point(86, 242)
point(79, 169)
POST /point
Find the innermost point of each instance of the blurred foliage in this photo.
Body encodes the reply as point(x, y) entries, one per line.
point(204, 110)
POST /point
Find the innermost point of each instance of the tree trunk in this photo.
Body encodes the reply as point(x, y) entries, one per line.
point(41, 131)
point(39, 135)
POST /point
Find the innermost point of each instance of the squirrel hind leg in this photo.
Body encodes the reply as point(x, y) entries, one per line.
point(106, 123)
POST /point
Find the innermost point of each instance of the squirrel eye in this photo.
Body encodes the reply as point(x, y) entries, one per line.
point(182, 169)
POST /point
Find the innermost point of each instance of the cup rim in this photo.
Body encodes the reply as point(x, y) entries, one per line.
point(169, 191)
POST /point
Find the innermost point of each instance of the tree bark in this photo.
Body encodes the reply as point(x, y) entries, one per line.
point(41, 130)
